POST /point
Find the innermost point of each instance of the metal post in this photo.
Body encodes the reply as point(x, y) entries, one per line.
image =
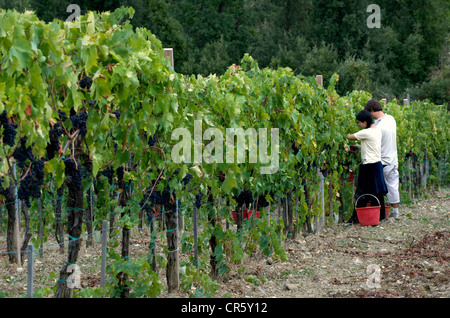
point(194, 220)
point(103, 269)
point(17, 215)
point(41, 230)
point(30, 272)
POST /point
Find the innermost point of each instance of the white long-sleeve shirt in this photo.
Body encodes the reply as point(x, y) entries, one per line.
point(370, 144)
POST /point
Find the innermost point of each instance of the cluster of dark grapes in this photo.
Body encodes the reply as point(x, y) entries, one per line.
point(53, 146)
point(23, 153)
point(187, 178)
point(79, 122)
point(295, 148)
point(109, 174)
point(92, 103)
point(147, 208)
point(326, 147)
point(62, 115)
point(198, 200)
point(9, 130)
point(245, 197)
point(73, 173)
point(157, 197)
point(165, 196)
point(262, 202)
point(117, 113)
point(151, 198)
point(171, 206)
point(31, 184)
point(86, 82)
point(3, 191)
point(120, 173)
point(152, 140)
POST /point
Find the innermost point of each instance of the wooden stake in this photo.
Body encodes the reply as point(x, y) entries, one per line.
point(319, 80)
point(168, 52)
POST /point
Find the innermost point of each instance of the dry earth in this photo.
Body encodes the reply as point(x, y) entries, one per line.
point(411, 254)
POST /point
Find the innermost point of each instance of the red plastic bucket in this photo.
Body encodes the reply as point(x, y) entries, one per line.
point(245, 214)
point(368, 215)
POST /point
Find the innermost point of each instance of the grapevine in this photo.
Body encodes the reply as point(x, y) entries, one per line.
point(120, 127)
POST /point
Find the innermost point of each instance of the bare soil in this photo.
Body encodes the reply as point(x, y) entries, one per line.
point(405, 257)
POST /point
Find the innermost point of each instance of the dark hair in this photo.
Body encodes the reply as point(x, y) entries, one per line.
point(365, 116)
point(373, 106)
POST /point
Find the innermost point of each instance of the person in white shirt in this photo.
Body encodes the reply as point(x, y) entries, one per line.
point(389, 157)
point(370, 176)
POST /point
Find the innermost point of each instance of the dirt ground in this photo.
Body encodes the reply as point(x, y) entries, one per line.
point(408, 257)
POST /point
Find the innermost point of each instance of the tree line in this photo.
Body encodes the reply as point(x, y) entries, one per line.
point(408, 54)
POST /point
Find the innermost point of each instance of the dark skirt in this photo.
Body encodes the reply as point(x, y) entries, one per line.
point(371, 181)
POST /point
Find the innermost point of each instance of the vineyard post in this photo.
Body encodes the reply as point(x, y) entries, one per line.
point(152, 243)
point(320, 219)
point(30, 271)
point(342, 198)
point(279, 208)
point(180, 219)
point(409, 179)
point(41, 231)
point(168, 52)
point(432, 182)
point(353, 191)
point(423, 174)
point(330, 195)
point(89, 215)
point(194, 221)
point(172, 269)
point(112, 215)
point(103, 269)
point(59, 230)
point(17, 215)
point(440, 173)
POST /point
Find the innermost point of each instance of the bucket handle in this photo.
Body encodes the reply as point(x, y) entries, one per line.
point(367, 194)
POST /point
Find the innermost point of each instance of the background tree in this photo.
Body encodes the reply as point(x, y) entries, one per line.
point(208, 36)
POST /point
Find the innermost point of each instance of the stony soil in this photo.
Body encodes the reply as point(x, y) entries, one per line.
point(411, 254)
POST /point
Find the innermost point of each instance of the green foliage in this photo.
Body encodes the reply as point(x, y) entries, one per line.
point(42, 64)
point(142, 280)
point(353, 75)
point(200, 282)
